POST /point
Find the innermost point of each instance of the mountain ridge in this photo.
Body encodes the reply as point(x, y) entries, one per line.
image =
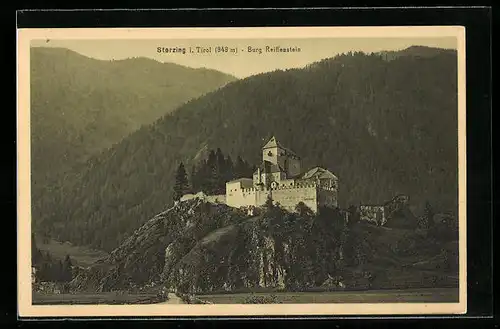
point(416, 51)
point(66, 51)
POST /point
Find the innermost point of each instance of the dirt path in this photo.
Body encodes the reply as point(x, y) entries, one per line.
point(173, 299)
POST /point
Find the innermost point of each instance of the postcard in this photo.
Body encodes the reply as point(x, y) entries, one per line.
point(268, 171)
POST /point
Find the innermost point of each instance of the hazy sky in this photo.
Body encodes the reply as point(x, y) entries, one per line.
point(242, 63)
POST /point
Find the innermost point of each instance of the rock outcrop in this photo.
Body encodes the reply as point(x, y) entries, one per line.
point(198, 247)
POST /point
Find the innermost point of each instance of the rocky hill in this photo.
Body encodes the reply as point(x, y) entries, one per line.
point(383, 127)
point(198, 247)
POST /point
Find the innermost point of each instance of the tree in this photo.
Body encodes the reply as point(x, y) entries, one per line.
point(36, 255)
point(57, 271)
point(194, 179)
point(229, 174)
point(181, 182)
point(240, 167)
point(354, 215)
point(269, 205)
point(199, 177)
point(212, 174)
point(427, 220)
point(220, 160)
point(303, 210)
point(67, 274)
point(221, 170)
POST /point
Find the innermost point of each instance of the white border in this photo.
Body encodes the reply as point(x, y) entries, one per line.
point(26, 309)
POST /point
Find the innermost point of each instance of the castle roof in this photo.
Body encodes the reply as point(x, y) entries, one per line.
point(273, 142)
point(244, 182)
point(318, 172)
point(269, 167)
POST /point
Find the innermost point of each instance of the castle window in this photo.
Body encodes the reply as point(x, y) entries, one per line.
point(270, 153)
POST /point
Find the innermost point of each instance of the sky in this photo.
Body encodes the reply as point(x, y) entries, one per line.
point(243, 63)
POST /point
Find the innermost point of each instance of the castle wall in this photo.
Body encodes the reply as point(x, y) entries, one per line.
point(266, 178)
point(327, 197)
point(287, 183)
point(246, 197)
point(189, 196)
point(261, 197)
point(289, 162)
point(256, 178)
point(275, 155)
point(288, 198)
point(277, 176)
point(221, 198)
point(294, 167)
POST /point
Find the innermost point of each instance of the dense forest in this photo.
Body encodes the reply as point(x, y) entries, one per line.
point(80, 106)
point(383, 127)
point(415, 51)
point(210, 175)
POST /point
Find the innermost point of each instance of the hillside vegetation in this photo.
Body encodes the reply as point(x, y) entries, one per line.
point(415, 51)
point(196, 247)
point(81, 106)
point(383, 127)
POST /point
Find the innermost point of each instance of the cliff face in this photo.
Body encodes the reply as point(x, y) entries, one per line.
point(236, 257)
point(197, 247)
point(156, 245)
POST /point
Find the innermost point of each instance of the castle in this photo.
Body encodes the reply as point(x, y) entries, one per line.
point(280, 177)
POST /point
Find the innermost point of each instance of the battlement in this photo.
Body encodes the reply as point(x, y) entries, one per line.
point(296, 186)
point(250, 190)
point(280, 187)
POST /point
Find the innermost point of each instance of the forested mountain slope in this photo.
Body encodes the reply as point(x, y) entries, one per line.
point(383, 127)
point(80, 105)
point(415, 51)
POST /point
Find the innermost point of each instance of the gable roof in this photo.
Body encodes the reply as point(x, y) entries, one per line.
point(269, 167)
point(273, 142)
point(318, 172)
point(244, 182)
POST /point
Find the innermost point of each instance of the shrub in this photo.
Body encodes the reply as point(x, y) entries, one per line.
point(253, 299)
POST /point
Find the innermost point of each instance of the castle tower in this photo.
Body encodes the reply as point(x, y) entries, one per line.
point(273, 152)
point(278, 155)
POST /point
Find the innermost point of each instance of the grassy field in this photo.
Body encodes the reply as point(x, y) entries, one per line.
point(430, 295)
point(101, 298)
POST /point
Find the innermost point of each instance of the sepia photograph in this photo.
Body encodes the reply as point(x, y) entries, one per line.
point(241, 171)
